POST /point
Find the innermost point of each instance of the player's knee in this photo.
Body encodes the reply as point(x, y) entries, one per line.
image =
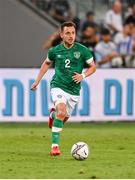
point(61, 112)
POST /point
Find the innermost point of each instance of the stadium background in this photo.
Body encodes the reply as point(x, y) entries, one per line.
point(108, 95)
point(24, 29)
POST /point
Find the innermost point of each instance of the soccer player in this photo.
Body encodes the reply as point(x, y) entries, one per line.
point(69, 58)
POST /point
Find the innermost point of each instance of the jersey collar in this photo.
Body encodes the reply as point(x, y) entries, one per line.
point(66, 47)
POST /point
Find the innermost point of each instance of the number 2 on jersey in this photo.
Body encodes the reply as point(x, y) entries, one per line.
point(67, 63)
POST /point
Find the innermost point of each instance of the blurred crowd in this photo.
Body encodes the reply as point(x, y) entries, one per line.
point(111, 42)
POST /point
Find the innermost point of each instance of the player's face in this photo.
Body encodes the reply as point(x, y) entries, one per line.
point(68, 35)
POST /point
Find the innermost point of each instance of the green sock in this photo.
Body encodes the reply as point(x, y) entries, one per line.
point(57, 123)
point(57, 127)
point(55, 138)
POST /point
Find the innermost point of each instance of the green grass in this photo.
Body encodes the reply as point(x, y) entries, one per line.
point(24, 151)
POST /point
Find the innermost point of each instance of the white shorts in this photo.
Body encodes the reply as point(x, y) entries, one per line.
point(60, 96)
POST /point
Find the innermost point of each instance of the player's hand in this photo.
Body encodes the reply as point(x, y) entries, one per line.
point(77, 77)
point(34, 86)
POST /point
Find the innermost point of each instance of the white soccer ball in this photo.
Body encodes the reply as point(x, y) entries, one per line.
point(80, 151)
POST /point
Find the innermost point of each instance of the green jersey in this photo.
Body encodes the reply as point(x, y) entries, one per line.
point(67, 62)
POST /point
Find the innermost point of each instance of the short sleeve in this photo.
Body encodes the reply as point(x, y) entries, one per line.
point(88, 56)
point(50, 55)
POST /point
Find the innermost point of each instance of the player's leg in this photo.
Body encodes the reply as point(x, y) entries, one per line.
point(57, 127)
point(52, 117)
point(72, 101)
point(58, 116)
point(55, 92)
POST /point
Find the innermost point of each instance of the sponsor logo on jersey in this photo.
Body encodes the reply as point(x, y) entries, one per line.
point(77, 54)
point(58, 55)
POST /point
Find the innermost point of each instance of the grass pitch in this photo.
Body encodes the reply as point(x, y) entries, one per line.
point(24, 151)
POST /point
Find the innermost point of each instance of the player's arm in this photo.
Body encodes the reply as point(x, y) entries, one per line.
point(91, 69)
point(44, 67)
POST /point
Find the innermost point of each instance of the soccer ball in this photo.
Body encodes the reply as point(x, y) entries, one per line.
point(80, 151)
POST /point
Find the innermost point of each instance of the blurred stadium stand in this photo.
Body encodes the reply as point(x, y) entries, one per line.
point(22, 35)
point(25, 27)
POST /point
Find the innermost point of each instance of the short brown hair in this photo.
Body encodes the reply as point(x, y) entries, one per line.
point(67, 24)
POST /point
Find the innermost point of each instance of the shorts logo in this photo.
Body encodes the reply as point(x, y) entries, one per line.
point(77, 54)
point(59, 96)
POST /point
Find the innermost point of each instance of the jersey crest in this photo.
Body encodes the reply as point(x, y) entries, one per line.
point(77, 54)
